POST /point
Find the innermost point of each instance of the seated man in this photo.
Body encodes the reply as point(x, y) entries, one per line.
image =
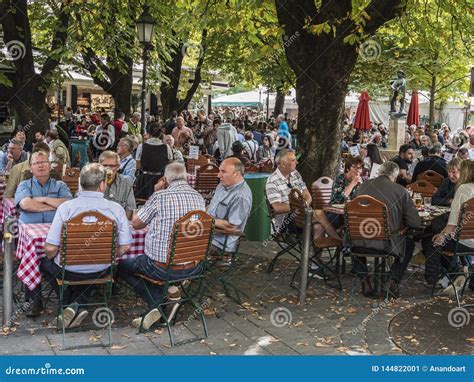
point(173, 199)
point(58, 150)
point(91, 198)
point(39, 197)
point(278, 188)
point(434, 162)
point(445, 193)
point(21, 172)
point(403, 160)
point(230, 206)
point(14, 155)
point(402, 212)
point(119, 188)
point(128, 166)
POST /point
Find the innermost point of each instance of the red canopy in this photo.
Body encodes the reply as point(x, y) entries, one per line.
point(413, 116)
point(362, 118)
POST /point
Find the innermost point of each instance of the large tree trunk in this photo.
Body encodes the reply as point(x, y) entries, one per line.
point(169, 90)
point(121, 88)
point(322, 64)
point(279, 102)
point(29, 87)
point(432, 101)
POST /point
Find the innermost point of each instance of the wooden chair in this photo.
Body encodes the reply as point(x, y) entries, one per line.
point(192, 163)
point(266, 166)
point(424, 188)
point(432, 177)
point(298, 206)
point(190, 243)
point(207, 180)
point(463, 231)
point(321, 191)
point(251, 167)
point(367, 218)
point(71, 178)
point(89, 238)
point(284, 236)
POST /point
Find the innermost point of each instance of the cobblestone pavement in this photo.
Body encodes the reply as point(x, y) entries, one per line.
point(269, 320)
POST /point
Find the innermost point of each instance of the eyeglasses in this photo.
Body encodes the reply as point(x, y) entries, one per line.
point(109, 165)
point(40, 163)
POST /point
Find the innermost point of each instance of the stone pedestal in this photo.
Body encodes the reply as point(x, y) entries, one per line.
point(396, 134)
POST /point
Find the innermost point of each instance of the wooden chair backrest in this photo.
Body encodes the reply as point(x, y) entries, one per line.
point(191, 238)
point(266, 166)
point(71, 178)
point(466, 221)
point(423, 187)
point(297, 205)
point(206, 178)
point(192, 163)
point(367, 218)
point(321, 191)
point(251, 168)
point(433, 177)
point(89, 238)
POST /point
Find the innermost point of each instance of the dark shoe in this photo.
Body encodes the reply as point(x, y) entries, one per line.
point(36, 309)
point(318, 273)
point(394, 289)
point(367, 290)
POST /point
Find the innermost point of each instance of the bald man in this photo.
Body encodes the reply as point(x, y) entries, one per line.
point(230, 205)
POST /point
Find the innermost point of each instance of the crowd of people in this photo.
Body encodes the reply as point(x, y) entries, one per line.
point(148, 164)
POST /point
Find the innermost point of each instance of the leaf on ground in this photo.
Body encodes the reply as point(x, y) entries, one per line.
point(212, 353)
point(126, 335)
point(94, 338)
point(298, 324)
point(117, 347)
point(471, 339)
point(416, 317)
point(159, 331)
point(301, 344)
point(321, 345)
point(351, 310)
point(341, 349)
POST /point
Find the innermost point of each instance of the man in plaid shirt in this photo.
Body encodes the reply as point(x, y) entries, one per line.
point(173, 198)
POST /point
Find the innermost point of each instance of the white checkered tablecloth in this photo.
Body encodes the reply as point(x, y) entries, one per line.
point(31, 248)
point(192, 180)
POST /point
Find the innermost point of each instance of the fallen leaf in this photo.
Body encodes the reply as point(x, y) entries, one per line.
point(351, 310)
point(416, 317)
point(470, 339)
point(321, 345)
point(301, 344)
point(158, 331)
point(126, 335)
point(212, 353)
point(298, 324)
point(116, 347)
point(341, 349)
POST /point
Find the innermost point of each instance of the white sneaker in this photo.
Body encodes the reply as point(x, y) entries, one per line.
point(148, 321)
point(458, 284)
point(78, 320)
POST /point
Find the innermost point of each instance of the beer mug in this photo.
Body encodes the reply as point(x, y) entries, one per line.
point(109, 177)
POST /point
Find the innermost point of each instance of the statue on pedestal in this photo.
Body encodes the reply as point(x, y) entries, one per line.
point(398, 87)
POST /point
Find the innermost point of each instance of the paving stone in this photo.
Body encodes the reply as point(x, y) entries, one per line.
point(15, 344)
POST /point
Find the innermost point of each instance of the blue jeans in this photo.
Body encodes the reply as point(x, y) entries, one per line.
point(143, 265)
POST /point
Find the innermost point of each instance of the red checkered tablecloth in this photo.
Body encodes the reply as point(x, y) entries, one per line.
point(2, 190)
point(31, 248)
point(8, 208)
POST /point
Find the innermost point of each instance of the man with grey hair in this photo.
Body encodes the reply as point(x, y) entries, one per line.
point(434, 162)
point(91, 198)
point(128, 165)
point(14, 155)
point(134, 125)
point(230, 206)
point(173, 198)
point(402, 213)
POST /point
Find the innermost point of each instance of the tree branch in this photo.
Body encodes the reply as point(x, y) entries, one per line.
point(381, 11)
point(59, 40)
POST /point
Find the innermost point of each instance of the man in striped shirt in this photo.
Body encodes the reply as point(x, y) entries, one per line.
point(173, 198)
